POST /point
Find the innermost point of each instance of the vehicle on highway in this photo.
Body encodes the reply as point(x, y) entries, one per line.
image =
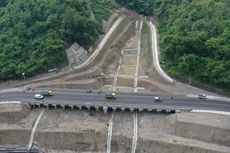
point(46, 92)
point(89, 91)
point(157, 99)
point(38, 96)
point(203, 96)
point(110, 95)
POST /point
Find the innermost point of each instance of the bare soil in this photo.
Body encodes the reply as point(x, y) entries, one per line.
point(127, 70)
point(70, 131)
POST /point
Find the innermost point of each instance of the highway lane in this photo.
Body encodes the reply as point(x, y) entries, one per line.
point(6, 150)
point(95, 99)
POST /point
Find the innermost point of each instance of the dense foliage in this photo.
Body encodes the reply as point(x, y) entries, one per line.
point(34, 33)
point(194, 36)
point(145, 7)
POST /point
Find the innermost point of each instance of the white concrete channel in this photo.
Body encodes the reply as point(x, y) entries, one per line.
point(135, 133)
point(100, 46)
point(138, 57)
point(30, 144)
point(156, 54)
point(110, 131)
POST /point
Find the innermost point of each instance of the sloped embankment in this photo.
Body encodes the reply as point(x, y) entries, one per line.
point(86, 131)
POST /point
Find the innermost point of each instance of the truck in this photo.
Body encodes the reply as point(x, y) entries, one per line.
point(46, 92)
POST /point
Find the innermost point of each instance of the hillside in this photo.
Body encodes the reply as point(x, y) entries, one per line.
point(194, 37)
point(35, 33)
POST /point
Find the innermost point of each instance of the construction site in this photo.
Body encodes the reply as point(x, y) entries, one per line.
point(124, 59)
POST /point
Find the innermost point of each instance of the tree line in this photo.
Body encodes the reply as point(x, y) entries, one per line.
point(35, 33)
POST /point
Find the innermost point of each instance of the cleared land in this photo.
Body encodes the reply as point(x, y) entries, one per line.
point(86, 131)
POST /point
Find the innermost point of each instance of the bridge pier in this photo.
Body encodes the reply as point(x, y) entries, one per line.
point(114, 109)
point(140, 109)
point(88, 107)
point(131, 109)
point(159, 110)
point(105, 109)
point(71, 106)
point(122, 109)
point(97, 108)
point(168, 111)
point(149, 109)
point(32, 105)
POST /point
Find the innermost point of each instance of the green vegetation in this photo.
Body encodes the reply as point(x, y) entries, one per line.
point(146, 46)
point(145, 7)
point(194, 37)
point(34, 33)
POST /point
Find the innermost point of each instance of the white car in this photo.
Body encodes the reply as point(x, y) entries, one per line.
point(157, 99)
point(38, 96)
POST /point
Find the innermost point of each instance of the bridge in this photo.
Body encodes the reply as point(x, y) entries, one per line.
point(131, 102)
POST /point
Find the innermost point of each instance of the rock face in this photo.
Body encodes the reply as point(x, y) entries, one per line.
point(76, 54)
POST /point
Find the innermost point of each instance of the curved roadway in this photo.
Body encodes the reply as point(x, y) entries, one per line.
point(123, 101)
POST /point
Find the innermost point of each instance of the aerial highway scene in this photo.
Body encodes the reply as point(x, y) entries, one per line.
point(115, 76)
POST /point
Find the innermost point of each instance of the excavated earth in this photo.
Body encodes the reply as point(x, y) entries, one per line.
point(84, 131)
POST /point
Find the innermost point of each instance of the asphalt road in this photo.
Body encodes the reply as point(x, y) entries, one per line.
point(124, 100)
point(19, 151)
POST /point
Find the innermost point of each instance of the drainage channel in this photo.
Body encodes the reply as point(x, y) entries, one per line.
point(135, 132)
point(110, 131)
point(34, 130)
point(138, 58)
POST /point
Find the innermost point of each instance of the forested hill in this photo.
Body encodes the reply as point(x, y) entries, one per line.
point(34, 33)
point(194, 37)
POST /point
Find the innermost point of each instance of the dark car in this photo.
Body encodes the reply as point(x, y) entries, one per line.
point(89, 91)
point(157, 99)
point(110, 95)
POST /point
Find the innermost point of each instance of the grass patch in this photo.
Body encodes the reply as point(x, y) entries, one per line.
point(146, 46)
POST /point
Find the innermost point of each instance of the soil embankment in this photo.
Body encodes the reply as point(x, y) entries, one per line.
point(86, 131)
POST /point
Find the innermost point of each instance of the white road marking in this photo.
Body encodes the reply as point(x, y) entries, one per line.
point(135, 131)
point(110, 131)
point(211, 111)
point(155, 54)
point(211, 97)
point(11, 90)
point(34, 130)
point(10, 102)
